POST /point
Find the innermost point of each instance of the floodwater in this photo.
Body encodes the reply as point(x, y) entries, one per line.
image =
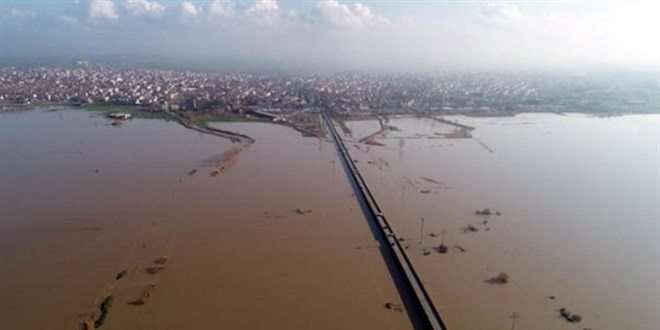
point(579, 224)
point(277, 241)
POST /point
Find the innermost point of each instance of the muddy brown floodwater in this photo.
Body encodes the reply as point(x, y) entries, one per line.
point(578, 228)
point(89, 210)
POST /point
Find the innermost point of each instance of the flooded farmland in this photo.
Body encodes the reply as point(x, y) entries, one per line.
point(577, 227)
point(90, 210)
point(565, 205)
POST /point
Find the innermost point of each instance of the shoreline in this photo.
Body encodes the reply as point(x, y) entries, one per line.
point(232, 136)
point(198, 123)
point(10, 107)
point(371, 138)
point(140, 113)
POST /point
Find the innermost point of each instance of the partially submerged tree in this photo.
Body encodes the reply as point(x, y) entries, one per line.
point(442, 248)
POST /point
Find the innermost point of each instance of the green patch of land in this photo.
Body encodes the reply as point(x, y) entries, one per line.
point(342, 124)
point(205, 121)
point(309, 124)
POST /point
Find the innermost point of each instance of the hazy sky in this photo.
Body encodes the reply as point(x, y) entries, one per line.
point(385, 33)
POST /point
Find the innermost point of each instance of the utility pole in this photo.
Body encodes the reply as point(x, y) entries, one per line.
point(421, 232)
point(513, 317)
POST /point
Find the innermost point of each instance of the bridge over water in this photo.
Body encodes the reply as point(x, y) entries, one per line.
point(417, 301)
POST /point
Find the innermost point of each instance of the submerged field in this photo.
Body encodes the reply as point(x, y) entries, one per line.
point(577, 228)
point(90, 210)
point(188, 230)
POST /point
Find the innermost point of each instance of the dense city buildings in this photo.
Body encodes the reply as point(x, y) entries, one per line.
point(343, 94)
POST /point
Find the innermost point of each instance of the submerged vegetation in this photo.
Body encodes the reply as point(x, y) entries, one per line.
point(105, 307)
point(570, 317)
point(121, 274)
point(501, 278)
point(300, 211)
point(145, 296)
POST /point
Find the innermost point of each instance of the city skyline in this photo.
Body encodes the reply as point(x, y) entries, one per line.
point(370, 34)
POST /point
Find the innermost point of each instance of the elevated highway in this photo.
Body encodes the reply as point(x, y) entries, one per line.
point(417, 301)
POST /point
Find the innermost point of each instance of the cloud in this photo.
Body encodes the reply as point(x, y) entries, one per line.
point(264, 12)
point(221, 8)
point(188, 8)
point(144, 8)
point(102, 10)
point(17, 13)
point(189, 11)
point(500, 11)
point(334, 30)
point(341, 15)
point(263, 6)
